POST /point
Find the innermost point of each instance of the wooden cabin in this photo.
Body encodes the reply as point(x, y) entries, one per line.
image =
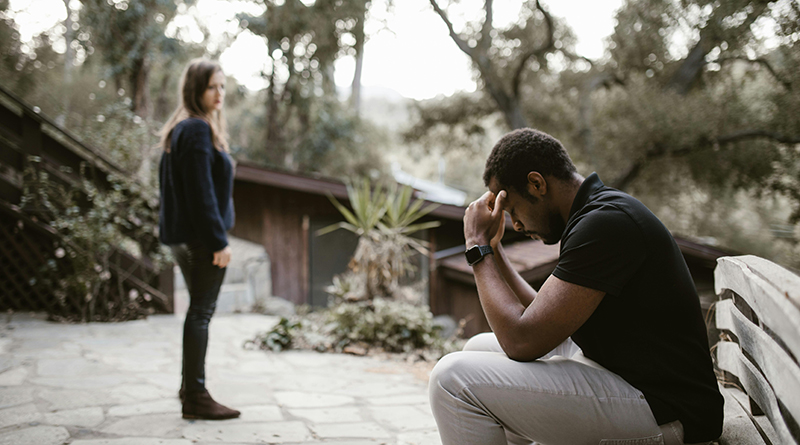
point(283, 211)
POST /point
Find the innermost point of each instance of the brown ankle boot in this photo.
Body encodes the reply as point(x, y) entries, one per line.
point(202, 406)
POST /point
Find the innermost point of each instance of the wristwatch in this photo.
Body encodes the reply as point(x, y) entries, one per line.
point(476, 253)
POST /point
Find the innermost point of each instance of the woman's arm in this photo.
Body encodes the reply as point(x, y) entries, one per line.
point(196, 153)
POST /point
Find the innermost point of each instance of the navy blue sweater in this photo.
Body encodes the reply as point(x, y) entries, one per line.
point(196, 182)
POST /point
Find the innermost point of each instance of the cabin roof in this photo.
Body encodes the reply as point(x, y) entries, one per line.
point(319, 185)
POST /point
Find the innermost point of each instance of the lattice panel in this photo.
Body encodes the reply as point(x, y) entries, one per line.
point(22, 255)
point(25, 250)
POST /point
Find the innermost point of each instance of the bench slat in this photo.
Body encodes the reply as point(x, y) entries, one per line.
point(738, 428)
point(773, 300)
point(782, 279)
point(779, 369)
point(731, 359)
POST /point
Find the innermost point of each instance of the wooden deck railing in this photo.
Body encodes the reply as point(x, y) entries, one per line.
point(27, 242)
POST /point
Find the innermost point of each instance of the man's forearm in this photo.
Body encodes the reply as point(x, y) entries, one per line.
point(527, 334)
point(524, 292)
point(502, 307)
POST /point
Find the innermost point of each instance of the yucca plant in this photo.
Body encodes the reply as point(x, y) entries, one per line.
point(401, 213)
point(384, 219)
point(368, 208)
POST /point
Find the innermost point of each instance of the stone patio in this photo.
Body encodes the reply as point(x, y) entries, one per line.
point(116, 384)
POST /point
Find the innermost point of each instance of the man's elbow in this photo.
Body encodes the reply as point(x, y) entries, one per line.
point(523, 351)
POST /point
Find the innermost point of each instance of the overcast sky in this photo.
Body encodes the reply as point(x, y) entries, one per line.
point(414, 56)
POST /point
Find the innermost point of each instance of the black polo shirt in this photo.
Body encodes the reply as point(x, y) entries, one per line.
point(649, 328)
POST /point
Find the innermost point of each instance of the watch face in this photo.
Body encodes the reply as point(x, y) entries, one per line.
point(473, 254)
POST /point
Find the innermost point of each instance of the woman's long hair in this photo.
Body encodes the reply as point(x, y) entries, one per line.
point(194, 82)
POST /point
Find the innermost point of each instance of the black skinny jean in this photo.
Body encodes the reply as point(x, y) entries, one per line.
point(203, 281)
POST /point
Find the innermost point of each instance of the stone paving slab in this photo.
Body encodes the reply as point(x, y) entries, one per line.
point(170, 405)
point(264, 413)
point(80, 382)
point(351, 430)
point(328, 415)
point(311, 400)
point(15, 396)
point(13, 377)
point(19, 415)
point(410, 399)
point(37, 435)
point(133, 441)
point(58, 399)
point(116, 384)
point(81, 417)
point(404, 418)
point(262, 432)
point(151, 425)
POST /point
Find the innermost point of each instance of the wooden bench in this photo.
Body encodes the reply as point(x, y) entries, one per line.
point(758, 316)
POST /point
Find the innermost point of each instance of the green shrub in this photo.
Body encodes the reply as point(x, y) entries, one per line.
point(280, 337)
point(395, 326)
point(379, 325)
point(91, 223)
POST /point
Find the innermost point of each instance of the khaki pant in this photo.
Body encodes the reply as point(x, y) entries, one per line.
point(480, 396)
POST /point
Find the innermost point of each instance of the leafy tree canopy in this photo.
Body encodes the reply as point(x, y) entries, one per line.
point(702, 92)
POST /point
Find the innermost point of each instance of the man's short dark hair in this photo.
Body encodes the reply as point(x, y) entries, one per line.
point(525, 150)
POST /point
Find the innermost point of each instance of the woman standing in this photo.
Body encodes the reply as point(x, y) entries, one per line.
point(196, 177)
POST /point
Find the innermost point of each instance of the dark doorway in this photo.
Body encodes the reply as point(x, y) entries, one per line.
point(328, 256)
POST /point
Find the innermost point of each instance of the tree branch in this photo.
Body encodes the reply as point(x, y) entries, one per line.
point(690, 68)
point(759, 61)
point(756, 134)
point(459, 41)
point(493, 84)
point(572, 56)
point(538, 52)
point(486, 29)
point(659, 151)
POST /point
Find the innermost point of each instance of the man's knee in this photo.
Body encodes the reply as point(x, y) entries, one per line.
point(485, 341)
point(446, 375)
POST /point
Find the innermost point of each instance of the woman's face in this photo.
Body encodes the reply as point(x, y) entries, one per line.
point(214, 95)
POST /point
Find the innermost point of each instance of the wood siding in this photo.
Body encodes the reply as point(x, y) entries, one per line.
point(274, 218)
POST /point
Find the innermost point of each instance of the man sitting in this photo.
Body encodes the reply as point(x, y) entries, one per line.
point(613, 347)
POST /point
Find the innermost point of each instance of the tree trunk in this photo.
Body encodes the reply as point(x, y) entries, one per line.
point(692, 66)
point(69, 53)
point(162, 109)
point(355, 90)
point(69, 57)
point(328, 80)
point(140, 85)
point(507, 104)
point(272, 111)
point(514, 116)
